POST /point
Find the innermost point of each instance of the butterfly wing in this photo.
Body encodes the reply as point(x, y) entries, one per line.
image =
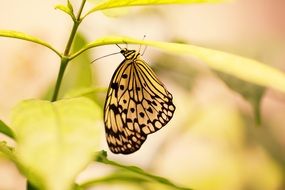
point(137, 104)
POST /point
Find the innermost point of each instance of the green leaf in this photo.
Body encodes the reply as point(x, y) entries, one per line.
point(85, 92)
point(69, 5)
point(250, 92)
point(78, 74)
point(30, 186)
point(174, 68)
point(26, 37)
point(66, 9)
point(127, 3)
point(55, 141)
point(6, 130)
point(243, 68)
point(128, 173)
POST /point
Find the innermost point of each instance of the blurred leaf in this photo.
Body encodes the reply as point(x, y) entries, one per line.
point(6, 130)
point(79, 72)
point(77, 187)
point(30, 186)
point(128, 173)
point(175, 69)
point(240, 67)
point(66, 9)
point(7, 151)
point(127, 3)
point(116, 12)
point(55, 141)
point(250, 92)
point(23, 36)
point(86, 92)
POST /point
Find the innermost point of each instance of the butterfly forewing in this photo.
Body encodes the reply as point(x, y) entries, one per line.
point(137, 104)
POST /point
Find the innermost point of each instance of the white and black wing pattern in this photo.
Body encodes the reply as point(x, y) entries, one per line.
point(137, 104)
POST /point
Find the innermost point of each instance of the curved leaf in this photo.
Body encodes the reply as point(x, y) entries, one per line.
point(55, 141)
point(127, 3)
point(243, 68)
point(66, 9)
point(126, 173)
point(26, 37)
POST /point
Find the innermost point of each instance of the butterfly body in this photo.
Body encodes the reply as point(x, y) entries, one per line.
point(137, 104)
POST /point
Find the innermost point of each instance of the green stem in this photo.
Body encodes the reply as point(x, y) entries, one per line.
point(64, 59)
point(62, 68)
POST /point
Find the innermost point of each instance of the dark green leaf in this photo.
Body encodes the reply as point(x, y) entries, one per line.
point(30, 186)
point(6, 130)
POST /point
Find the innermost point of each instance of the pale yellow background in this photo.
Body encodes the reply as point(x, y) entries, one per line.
point(211, 152)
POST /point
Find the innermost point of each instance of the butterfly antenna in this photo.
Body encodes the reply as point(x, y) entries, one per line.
point(104, 56)
point(144, 50)
point(119, 46)
point(141, 44)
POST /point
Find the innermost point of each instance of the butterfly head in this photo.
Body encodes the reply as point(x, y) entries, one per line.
point(129, 54)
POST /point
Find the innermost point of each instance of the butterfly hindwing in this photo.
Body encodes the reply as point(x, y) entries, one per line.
point(137, 104)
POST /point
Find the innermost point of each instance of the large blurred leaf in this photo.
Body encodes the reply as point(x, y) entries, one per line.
point(108, 4)
point(55, 141)
point(27, 37)
point(240, 67)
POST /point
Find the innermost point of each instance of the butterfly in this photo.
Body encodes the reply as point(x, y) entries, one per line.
point(137, 104)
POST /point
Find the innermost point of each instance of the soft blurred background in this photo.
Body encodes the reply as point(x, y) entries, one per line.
point(214, 141)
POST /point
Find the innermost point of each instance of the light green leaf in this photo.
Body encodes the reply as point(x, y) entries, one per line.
point(5, 129)
point(26, 37)
point(78, 74)
point(55, 141)
point(126, 173)
point(84, 92)
point(108, 4)
point(69, 5)
point(66, 9)
point(243, 68)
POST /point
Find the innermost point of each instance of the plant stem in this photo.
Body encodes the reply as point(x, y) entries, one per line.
point(65, 59)
point(62, 68)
